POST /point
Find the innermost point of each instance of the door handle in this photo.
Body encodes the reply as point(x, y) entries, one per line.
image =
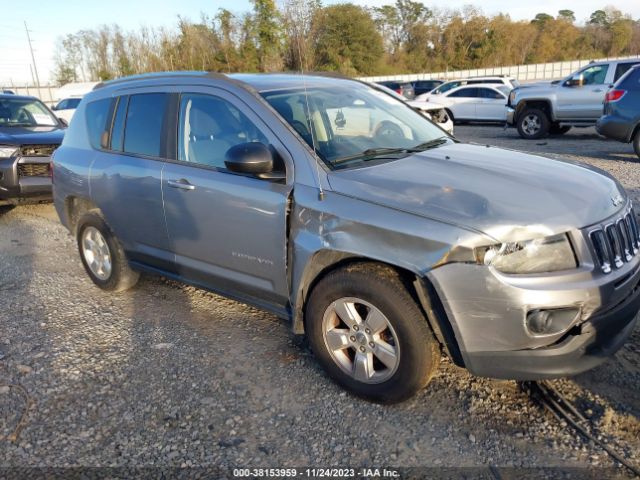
point(182, 184)
point(598, 90)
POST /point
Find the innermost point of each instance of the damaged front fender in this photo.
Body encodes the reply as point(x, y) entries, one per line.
point(338, 228)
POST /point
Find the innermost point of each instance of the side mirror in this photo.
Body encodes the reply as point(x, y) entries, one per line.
point(575, 81)
point(253, 158)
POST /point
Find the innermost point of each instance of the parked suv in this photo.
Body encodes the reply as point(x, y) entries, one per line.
point(337, 207)
point(29, 134)
point(576, 101)
point(401, 88)
point(621, 119)
point(65, 108)
point(425, 86)
point(508, 82)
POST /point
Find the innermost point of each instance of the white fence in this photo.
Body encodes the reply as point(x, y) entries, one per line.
point(46, 93)
point(523, 73)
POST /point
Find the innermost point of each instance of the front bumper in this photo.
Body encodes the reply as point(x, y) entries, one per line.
point(583, 349)
point(487, 312)
point(25, 180)
point(511, 116)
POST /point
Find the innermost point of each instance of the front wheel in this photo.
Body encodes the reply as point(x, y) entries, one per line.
point(369, 334)
point(533, 124)
point(102, 254)
point(636, 143)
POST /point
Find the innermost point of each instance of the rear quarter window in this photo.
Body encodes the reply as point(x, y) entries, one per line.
point(96, 115)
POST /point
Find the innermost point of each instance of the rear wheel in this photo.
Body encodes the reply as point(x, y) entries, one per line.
point(369, 334)
point(102, 254)
point(636, 143)
point(558, 130)
point(533, 124)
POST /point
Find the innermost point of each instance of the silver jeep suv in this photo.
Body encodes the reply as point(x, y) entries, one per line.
point(537, 110)
point(339, 208)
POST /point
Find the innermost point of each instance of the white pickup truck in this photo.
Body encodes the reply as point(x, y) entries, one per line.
point(575, 101)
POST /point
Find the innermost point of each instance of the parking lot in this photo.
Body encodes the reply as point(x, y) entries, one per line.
point(171, 375)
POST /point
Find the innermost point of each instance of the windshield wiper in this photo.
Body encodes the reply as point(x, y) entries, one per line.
point(430, 144)
point(372, 153)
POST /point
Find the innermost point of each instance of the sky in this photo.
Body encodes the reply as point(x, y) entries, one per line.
point(48, 20)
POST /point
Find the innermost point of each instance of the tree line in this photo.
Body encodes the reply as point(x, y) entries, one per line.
point(403, 37)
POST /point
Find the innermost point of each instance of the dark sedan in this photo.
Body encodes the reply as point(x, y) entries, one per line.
point(621, 119)
point(29, 134)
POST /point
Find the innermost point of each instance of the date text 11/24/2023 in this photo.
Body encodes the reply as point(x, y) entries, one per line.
point(315, 473)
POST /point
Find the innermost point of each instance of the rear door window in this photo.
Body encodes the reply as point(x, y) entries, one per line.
point(488, 93)
point(117, 131)
point(144, 123)
point(471, 92)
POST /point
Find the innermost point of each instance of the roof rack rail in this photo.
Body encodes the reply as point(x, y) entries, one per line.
point(155, 75)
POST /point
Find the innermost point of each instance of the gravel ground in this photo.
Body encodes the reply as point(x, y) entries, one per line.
point(169, 375)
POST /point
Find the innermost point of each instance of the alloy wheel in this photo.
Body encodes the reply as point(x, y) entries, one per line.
point(531, 124)
point(361, 340)
point(96, 253)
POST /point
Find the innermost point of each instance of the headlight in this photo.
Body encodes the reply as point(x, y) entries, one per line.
point(548, 254)
point(7, 151)
point(512, 97)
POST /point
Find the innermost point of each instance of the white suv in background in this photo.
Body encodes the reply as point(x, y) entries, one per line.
point(66, 107)
point(473, 103)
point(510, 82)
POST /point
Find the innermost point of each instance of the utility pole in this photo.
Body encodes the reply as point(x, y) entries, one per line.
point(33, 58)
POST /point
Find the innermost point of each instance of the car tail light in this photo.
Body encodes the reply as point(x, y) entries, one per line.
point(614, 95)
point(399, 91)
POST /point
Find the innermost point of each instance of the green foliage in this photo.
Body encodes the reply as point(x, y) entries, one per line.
point(346, 40)
point(568, 15)
point(399, 37)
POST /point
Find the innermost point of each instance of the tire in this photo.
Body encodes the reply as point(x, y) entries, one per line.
point(377, 295)
point(558, 130)
point(636, 143)
point(450, 115)
point(95, 239)
point(533, 124)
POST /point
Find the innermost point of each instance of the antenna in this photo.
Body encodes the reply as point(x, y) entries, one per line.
point(306, 98)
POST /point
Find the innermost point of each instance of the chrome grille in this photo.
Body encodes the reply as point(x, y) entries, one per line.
point(616, 243)
point(33, 169)
point(37, 150)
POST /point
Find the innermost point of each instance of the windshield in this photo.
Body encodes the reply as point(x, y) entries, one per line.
point(355, 123)
point(445, 87)
point(25, 112)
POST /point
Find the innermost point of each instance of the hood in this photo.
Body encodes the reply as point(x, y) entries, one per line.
point(425, 105)
point(31, 135)
point(542, 88)
point(506, 194)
